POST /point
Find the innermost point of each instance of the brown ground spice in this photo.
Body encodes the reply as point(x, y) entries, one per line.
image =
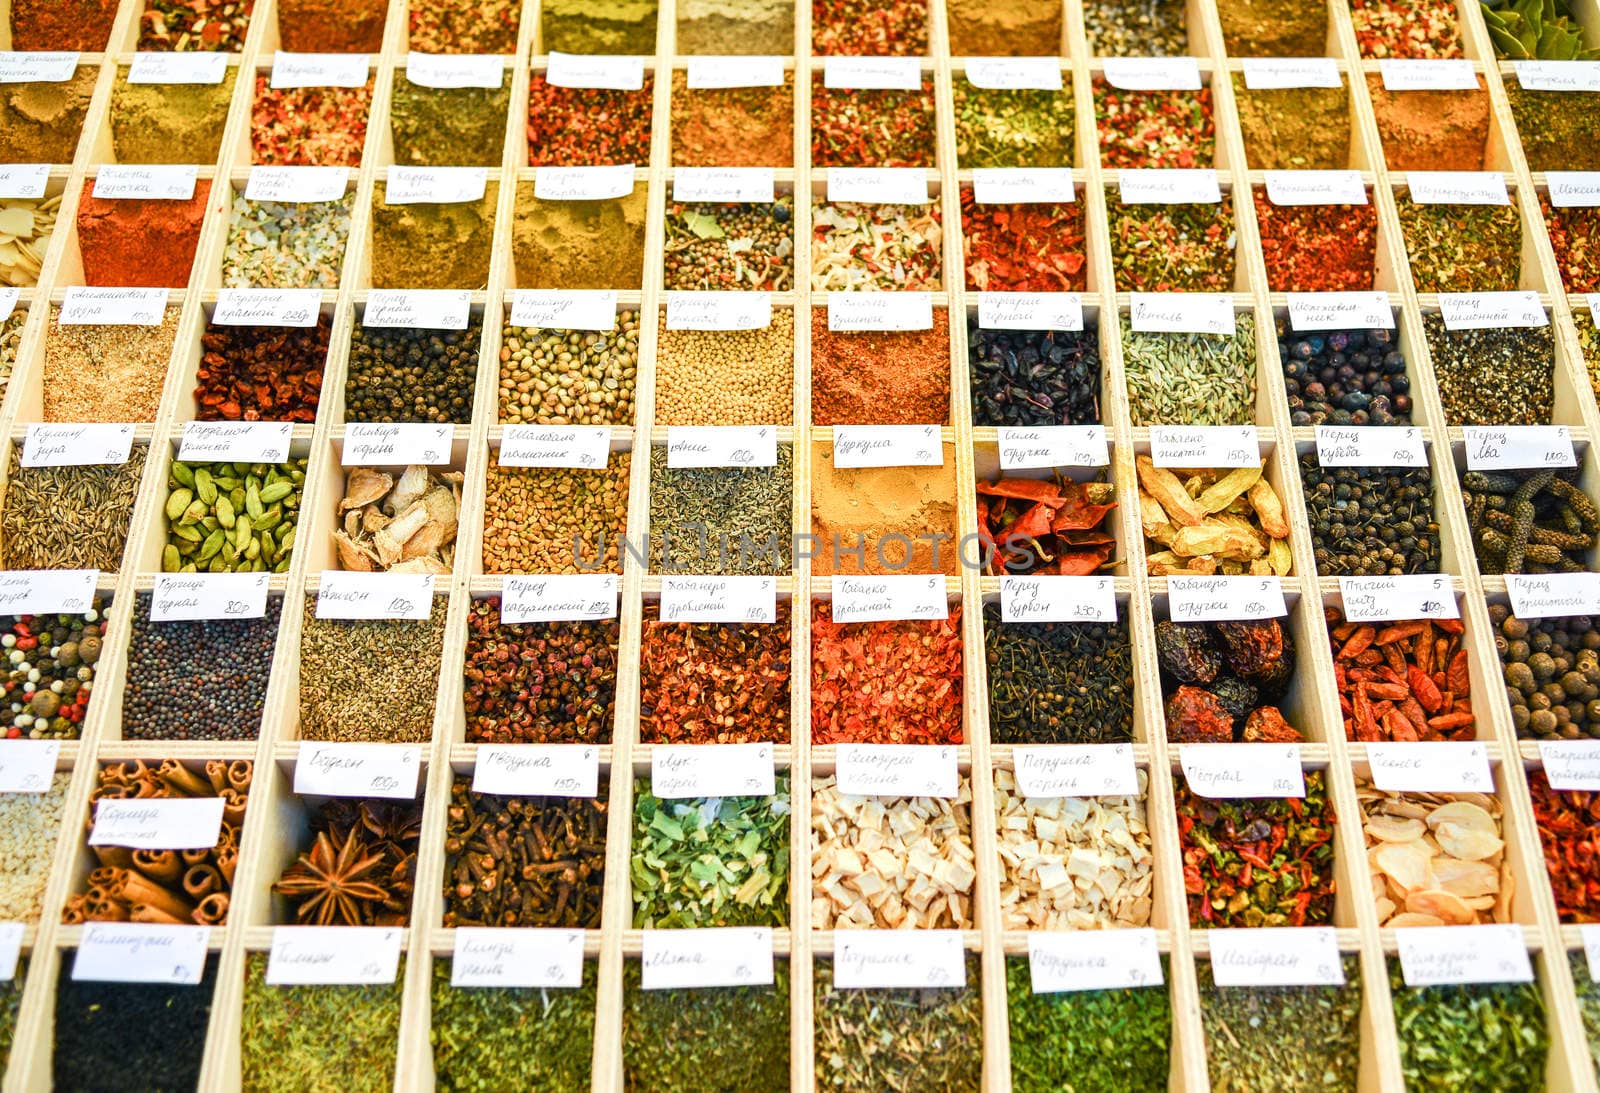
point(876, 502)
point(40, 122)
point(169, 123)
point(82, 25)
point(139, 244)
point(732, 127)
point(432, 246)
point(1018, 28)
point(1273, 28)
point(1294, 128)
point(579, 244)
point(316, 26)
point(722, 27)
point(899, 377)
point(1559, 130)
point(1431, 130)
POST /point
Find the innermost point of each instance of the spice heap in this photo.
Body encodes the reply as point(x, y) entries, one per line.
point(1273, 28)
point(165, 886)
point(579, 244)
point(432, 246)
point(1437, 859)
point(62, 651)
point(1317, 248)
point(1013, 128)
point(361, 867)
point(1431, 130)
point(1173, 248)
point(917, 1039)
point(873, 28)
point(721, 519)
point(68, 517)
point(717, 861)
point(202, 680)
point(82, 25)
point(1575, 237)
point(1103, 1039)
point(40, 121)
point(1212, 521)
point(395, 374)
point(723, 1038)
point(1475, 1039)
point(1024, 377)
point(10, 342)
point(398, 526)
point(587, 126)
point(1058, 682)
point(31, 822)
point(448, 126)
point(1073, 863)
point(1461, 248)
point(1498, 376)
point(180, 25)
point(1566, 821)
point(232, 517)
point(169, 123)
point(26, 225)
point(1191, 379)
point(1023, 248)
point(261, 373)
point(346, 1036)
point(733, 126)
point(369, 679)
point(1557, 128)
point(311, 26)
point(1589, 343)
point(714, 683)
point(1406, 681)
point(1422, 29)
point(727, 377)
point(150, 1035)
point(891, 863)
point(1025, 27)
point(273, 245)
point(464, 26)
point(509, 1037)
point(880, 377)
point(1033, 525)
point(865, 248)
point(139, 243)
point(1552, 674)
point(896, 682)
point(555, 519)
point(1154, 128)
point(1282, 1038)
point(309, 126)
point(729, 247)
point(1529, 521)
point(1224, 681)
point(569, 377)
point(1370, 521)
point(1136, 28)
point(1344, 377)
point(538, 683)
point(721, 29)
point(1293, 128)
point(598, 26)
point(1588, 995)
point(871, 128)
point(523, 861)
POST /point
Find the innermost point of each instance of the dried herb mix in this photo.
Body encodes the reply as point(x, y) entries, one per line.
point(309, 126)
point(715, 1039)
point(598, 26)
point(1431, 130)
point(1370, 521)
point(1293, 128)
point(169, 123)
point(10, 1003)
point(734, 126)
point(369, 679)
point(1344, 377)
point(1588, 994)
point(1557, 128)
point(539, 683)
point(195, 25)
point(1111, 1040)
point(1154, 128)
point(728, 247)
point(130, 1036)
point(555, 519)
point(1550, 667)
point(721, 519)
point(587, 126)
point(1423, 29)
point(570, 377)
point(204, 680)
point(898, 1039)
point(1013, 128)
point(66, 666)
point(394, 374)
point(1191, 379)
point(1496, 376)
point(869, 248)
point(318, 1039)
point(464, 26)
point(728, 377)
point(68, 517)
point(1058, 682)
point(871, 128)
point(714, 683)
point(511, 1038)
point(1023, 248)
point(1282, 1038)
point(880, 377)
point(579, 244)
point(892, 682)
point(40, 121)
point(449, 126)
point(1173, 248)
point(1575, 237)
point(1317, 248)
point(1462, 248)
point(1475, 1039)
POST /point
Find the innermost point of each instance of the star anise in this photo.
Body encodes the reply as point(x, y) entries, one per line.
point(329, 886)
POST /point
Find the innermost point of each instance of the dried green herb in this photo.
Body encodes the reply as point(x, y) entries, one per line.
point(1588, 994)
point(1260, 1039)
point(318, 1039)
point(1559, 130)
point(1462, 248)
point(498, 1038)
point(1004, 128)
point(720, 519)
point(1483, 1037)
point(1173, 248)
point(1107, 1041)
point(713, 1040)
point(873, 1040)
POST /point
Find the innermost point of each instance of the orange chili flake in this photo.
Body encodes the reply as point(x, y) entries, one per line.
point(714, 683)
point(1023, 248)
point(1318, 248)
point(885, 682)
point(1569, 829)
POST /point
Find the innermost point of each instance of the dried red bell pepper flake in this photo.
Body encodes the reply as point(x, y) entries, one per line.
point(1318, 248)
point(885, 682)
point(587, 126)
point(1023, 248)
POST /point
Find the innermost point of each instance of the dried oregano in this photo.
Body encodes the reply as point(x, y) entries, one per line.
point(1107, 1041)
point(1487, 1037)
point(1260, 1039)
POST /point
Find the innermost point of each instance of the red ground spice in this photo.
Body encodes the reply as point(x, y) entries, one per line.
point(1575, 237)
point(896, 377)
point(309, 126)
point(870, 28)
point(316, 26)
point(885, 682)
point(139, 244)
point(1154, 128)
point(1023, 248)
point(183, 25)
point(1318, 248)
point(1424, 29)
point(587, 127)
point(261, 373)
point(871, 128)
point(714, 683)
point(732, 127)
point(81, 25)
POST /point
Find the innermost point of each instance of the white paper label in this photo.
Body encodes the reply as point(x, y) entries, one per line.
point(434, 185)
point(722, 446)
point(1023, 185)
point(719, 599)
point(719, 310)
point(849, 312)
point(680, 771)
point(379, 444)
point(1057, 599)
point(583, 183)
point(1152, 73)
point(24, 179)
point(887, 446)
point(83, 306)
point(235, 441)
point(1301, 957)
point(558, 596)
point(1398, 599)
point(1015, 73)
point(47, 591)
point(538, 770)
point(517, 958)
point(872, 73)
point(10, 949)
point(296, 184)
point(27, 766)
point(1410, 75)
point(1092, 960)
point(417, 308)
point(1573, 189)
point(1205, 446)
point(1182, 313)
point(897, 770)
point(9, 297)
point(898, 959)
point(455, 69)
point(1370, 446)
point(1558, 75)
point(358, 770)
point(1076, 770)
point(1518, 447)
point(1275, 73)
point(76, 445)
point(1316, 188)
point(333, 955)
point(1485, 310)
point(319, 70)
point(140, 952)
point(1169, 186)
point(584, 446)
point(1457, 187)
point(186, 597)
point(1438, 955)
point(565, 309)
point(721, 956)
point(723, 184)
point(37, 66)
point(161, 183)
point(1553, 595)
point(343, 595)
point(1053, 446)
point(594, 70)
point(1591, 949)
point(712, 73)
point(1340, 311)
point(879, 185)
point(176, 68)
point(1225, 599)
point(1030, 311)
point(1243, 770)
point(1571, 764)
point(1440, 767)
point(157, 823)
point(889, 597)
point(1590, 300)
point(267, 307)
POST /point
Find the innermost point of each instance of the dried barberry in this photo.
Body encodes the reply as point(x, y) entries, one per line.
point(1187, 652)
point(1197, 716)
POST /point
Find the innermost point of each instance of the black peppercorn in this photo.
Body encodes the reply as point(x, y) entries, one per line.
point(402, 375)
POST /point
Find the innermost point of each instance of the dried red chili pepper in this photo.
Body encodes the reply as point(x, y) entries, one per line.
point(1023, 248)
point(1037, 525)
point(1569, 830)
point(1406, 681)
point(885, 682)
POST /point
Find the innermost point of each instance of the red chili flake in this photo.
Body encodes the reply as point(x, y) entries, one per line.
point(1154, 128)
point(1023, 248)
point(587, 126)
point(871, 128)
point(1569, 829)
point(885, 682)
point(714, 683)
point(309, 126)
point(1318, 248)
point(1575, 237)
point(261, 373)
point(874, 28)
point(880, 377)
